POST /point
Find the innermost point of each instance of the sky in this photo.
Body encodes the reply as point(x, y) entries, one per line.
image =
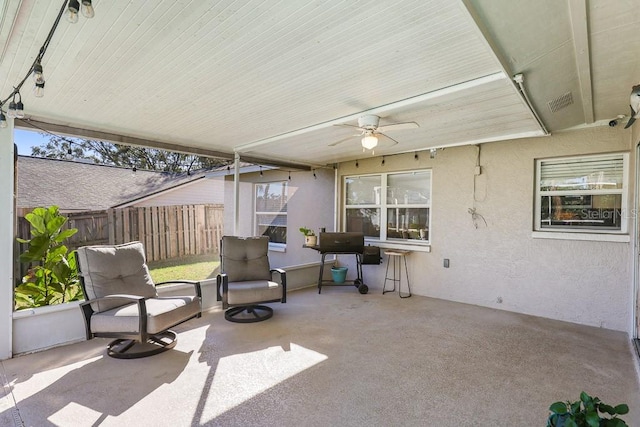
point(26, 139)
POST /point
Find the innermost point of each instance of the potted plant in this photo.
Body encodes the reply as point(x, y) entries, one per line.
point(310, 238)
point(586, 412)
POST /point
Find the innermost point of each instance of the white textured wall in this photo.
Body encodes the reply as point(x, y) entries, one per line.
point(578, 281)
point(201, 192)
point(311, 204)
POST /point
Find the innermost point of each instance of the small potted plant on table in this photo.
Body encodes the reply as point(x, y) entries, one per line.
point(310, 238)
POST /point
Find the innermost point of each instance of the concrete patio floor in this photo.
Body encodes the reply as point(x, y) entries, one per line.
point(339, 358)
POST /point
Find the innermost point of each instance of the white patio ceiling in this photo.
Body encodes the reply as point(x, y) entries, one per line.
point(270, 79)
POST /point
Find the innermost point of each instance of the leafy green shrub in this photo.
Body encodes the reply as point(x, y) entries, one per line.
point(54, 277)
point(586, 412)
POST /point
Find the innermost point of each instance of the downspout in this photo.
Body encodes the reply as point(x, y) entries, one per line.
point(336, 198)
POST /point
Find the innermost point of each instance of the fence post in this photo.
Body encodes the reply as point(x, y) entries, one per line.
point(112, 226)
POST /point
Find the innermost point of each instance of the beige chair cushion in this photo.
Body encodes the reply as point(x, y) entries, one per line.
point(162, 313)
point(115, 269)
point(245, 259)
point(254, 291)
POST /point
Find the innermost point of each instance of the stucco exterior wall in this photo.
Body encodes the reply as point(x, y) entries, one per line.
point(311, 204)
point(501, 265)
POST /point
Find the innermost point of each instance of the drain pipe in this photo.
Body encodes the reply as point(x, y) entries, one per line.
point(519, 78)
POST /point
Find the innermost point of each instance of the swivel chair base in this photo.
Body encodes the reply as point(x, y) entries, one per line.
point(248, 314)
point(132, 349)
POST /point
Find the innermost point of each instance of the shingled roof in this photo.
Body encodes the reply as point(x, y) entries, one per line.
point(75, 186)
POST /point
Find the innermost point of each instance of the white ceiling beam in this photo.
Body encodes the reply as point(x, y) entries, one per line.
point(378, 110)
point(75, 132)
point(483, 33)
point(580, 31)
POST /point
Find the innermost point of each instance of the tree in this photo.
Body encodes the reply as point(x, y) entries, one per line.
point(106, 153)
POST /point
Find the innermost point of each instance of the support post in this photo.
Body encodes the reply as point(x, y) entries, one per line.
point(236, 194)
point(7, 237)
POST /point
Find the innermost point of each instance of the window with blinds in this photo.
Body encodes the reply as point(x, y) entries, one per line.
point(271, 211)
point(585, 193)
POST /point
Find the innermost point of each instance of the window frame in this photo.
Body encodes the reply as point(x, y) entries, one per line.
point(383, 207)
point(581, 233)
point(272, 245)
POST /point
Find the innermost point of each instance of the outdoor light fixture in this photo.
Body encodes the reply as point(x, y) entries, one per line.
point(16, 109)
point(369, 141)
point(72, 11)
point(11, 111)
point(37, 72)
point(87, 9)
point(3, 120)
point(19, 107)
point(38, 90)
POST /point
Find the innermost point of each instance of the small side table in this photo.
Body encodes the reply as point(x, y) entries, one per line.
point(396, 256)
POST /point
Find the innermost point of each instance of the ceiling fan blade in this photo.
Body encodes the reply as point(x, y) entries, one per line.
point(398, 126)
point(389, 138)
point(333, 144)
point(347, 125)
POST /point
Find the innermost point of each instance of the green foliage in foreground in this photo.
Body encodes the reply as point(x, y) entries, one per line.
point(53, 278)
point(586, 412)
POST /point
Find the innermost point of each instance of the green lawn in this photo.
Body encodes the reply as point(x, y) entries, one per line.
point(196, 267)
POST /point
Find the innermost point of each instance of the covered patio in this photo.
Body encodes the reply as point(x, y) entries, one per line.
point(339, 358)
point(457, 130)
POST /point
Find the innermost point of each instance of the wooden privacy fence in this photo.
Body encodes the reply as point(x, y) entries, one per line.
point(166, 231)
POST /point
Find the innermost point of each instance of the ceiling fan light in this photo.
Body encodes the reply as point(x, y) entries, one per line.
point(369, 141)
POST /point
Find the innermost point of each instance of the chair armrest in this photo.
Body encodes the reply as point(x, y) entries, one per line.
point(222, 281)
point(283, 282)
point(133, 298)
point(142, 312)
point(195, 284)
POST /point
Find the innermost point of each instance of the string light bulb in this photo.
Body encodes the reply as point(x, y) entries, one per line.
point(11, 111)
point(72, 11)
point(87, 9)
point(260, 170)
point(38, 76)
point(3, 120)
point(38, 90)
point(19, 107)
point(16, 108)
point(432, 153)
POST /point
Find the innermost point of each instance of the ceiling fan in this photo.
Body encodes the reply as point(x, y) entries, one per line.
point(369, 128)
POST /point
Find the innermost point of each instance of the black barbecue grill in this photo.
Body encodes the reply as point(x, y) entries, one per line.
point(342, 244)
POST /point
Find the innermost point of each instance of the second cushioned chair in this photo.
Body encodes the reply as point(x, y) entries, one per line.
point(247, 281)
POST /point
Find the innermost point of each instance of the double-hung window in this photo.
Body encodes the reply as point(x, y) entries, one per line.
point(271, 211)
point(389, 206)
point(585, 194)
